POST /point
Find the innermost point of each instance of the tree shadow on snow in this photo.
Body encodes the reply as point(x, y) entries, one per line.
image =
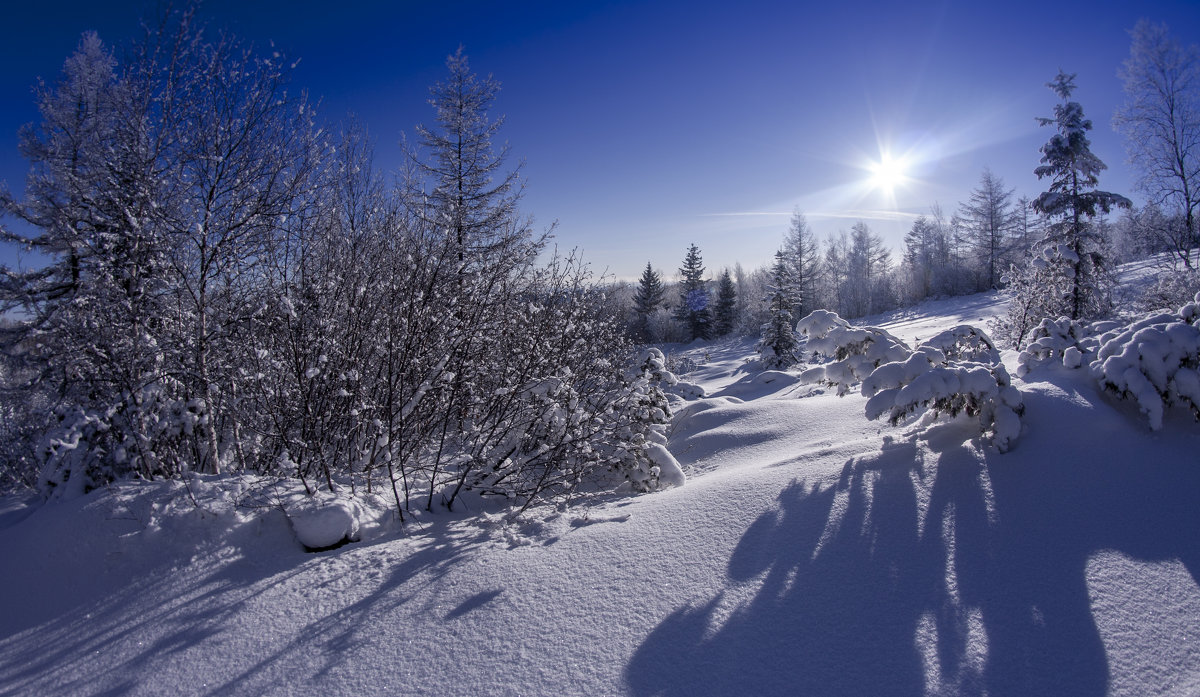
point(925, 571)
point(60, 654)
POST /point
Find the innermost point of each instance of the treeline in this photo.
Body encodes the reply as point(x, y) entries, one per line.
point(231, 286)
point(851, 273)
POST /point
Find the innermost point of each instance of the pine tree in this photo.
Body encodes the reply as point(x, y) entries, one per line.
point(648, 297)
point(725, 312)
point(693, 310)
point(777, 348)
point(1072, 250)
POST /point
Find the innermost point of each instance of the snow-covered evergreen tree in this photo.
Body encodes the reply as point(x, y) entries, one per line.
point(649, 296)
point(777, 348)
point(694, 311)
point(1072, 252)
point(725, 309)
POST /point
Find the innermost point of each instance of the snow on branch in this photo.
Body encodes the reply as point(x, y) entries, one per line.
point(956, 371)
point(927, 381)
point(1054, 340)
point(855, 351)
point(1154, 361)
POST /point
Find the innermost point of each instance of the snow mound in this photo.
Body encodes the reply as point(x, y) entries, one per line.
point(325, 520)
point(665, 467)
point(854, 351)
point(1155, 362)
point(926, 381)
point(686, 390)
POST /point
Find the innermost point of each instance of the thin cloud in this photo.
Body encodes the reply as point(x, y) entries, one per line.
point(865, 215)
point(745, 214)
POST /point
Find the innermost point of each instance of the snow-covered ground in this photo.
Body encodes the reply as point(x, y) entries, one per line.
point(811, 552)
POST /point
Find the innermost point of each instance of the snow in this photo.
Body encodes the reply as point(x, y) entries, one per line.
point(812, 551)
point(324, 520)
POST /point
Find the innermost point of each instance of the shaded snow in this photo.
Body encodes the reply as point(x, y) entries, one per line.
point(811, 552)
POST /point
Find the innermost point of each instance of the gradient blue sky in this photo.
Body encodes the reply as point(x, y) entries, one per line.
point(647, 126)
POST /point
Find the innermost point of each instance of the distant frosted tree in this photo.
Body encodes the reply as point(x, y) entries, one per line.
point(925, 259)
point(803, 257)
point(1072, 252)
point(751, 291)
point(1161, 123)
point(649, 296)
point(1027, 230)
point(694, 311)
point(869, 264)
point(838, 272)
point(989, 220)
point(777, 348)
point(725, 309)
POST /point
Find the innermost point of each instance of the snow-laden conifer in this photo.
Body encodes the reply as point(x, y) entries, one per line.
point(1154, 361)
point(852, 352)
point(693, 310)
point(777, 348)
point(956, 371)
point(1072, 255)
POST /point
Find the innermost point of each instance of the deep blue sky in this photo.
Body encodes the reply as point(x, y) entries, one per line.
point(646, 127)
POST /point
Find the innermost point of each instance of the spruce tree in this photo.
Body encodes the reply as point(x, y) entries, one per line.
point(778, 345)
point(648, 297)
point(1072, 250)
point(693, 309)
point(725, 312)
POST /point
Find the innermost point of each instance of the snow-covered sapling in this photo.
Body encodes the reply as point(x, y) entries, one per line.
point(855, 351)
point(927, 381)
point(1154, 361)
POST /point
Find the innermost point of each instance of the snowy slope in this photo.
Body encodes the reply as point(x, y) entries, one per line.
point(811, 552)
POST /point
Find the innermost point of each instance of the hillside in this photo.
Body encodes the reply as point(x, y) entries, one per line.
point(811, 552)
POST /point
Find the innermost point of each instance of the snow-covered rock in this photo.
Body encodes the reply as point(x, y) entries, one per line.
point(325, 520)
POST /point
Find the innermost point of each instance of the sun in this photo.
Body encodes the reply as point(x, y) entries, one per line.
point(888, 173)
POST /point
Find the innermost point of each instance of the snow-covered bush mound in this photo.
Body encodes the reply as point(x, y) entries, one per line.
point(659, 370)
point(1054, 340)
point(324, 520)
point(955, 371)
point(927, 381)
point(648, 465)
point(1154, 361)
point(965, 343)
point(664, 470)
point(687, 390)
point(854, 351)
